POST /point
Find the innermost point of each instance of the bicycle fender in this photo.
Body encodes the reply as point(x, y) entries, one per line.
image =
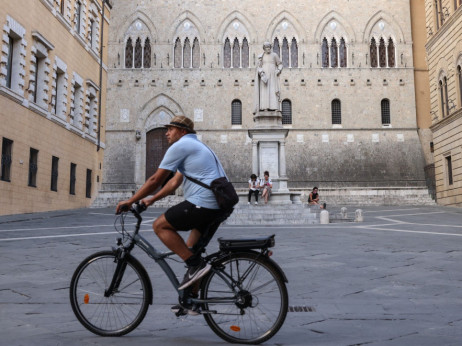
point(278, 268)
point(143, 272)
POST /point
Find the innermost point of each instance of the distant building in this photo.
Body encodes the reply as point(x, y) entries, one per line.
point(347, 88)
point(51, 132)
point(444, 52)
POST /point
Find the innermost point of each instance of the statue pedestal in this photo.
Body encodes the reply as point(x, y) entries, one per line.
point(268, 153)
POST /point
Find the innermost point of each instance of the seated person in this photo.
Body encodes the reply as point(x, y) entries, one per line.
point(313, 198)
point(254, 188)
point(267, 185)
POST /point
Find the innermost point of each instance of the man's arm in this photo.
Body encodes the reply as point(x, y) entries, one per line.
point(153, 182)
point(168, 188)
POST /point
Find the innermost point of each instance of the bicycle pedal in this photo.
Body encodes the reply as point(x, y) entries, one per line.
point(181, 312)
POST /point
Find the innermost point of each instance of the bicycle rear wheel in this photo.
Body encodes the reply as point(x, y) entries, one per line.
point(259, 296)
point(119, 313)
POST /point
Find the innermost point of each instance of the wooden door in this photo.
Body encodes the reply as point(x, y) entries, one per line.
point(156, 146)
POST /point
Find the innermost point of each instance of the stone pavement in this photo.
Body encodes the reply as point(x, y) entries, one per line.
point(394, 279)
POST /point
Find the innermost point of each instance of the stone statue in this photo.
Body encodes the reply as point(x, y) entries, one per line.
point(269, 67)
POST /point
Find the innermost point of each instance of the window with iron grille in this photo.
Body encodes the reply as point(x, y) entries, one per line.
point(129, 54)
point(54, 173)
point(61, 7)
point(385, 105)
point(236, 112)
point(33, 167)
point(449, 169)
point(7, 153)
point(336, 109)
point(147, 54)
point(88, 184)
point(72, 179)
point(236, 54)
point(138, 53)
point(286, 112)
point(373, 52)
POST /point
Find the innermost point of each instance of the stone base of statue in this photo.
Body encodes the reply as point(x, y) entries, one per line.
point(268, 154)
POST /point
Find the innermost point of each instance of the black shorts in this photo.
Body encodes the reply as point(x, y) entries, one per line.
point(185, 216)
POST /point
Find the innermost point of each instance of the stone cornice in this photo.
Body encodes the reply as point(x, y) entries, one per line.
point(447, 24)
point(446, 121)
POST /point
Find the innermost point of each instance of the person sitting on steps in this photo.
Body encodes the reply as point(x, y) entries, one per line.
point(267, 185)
point(313, 198)
point(254, 188)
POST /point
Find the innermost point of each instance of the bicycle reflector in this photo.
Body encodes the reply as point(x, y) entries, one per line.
point(86, 299)
point(235, 328)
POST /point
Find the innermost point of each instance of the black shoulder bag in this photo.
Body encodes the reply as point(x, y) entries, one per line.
point(223, 190)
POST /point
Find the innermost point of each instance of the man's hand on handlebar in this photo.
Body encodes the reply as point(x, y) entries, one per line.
point(123, 206)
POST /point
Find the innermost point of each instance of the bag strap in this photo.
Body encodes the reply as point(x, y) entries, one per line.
point(200, 182)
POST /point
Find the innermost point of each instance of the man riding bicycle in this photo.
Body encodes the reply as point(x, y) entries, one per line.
point(186, 156)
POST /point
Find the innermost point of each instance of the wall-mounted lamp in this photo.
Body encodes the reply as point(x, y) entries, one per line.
point(138, 134)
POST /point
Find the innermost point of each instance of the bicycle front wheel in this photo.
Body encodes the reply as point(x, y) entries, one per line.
point(122, 311)
point(247, 299)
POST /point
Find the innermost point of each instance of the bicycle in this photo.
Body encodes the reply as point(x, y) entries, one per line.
point(243, 298)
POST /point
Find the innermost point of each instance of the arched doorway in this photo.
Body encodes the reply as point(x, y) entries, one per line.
point(156, 146)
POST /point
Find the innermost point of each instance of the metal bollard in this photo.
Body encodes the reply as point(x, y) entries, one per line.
point(359, 215)
point(324, 217)
point(343, 211)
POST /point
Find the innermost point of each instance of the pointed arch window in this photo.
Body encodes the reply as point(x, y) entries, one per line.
point(245, 53)
point(236, 54)
point(382, 53)
point(294, 53)
point(385, 107)
point(333, 53)
point(196, 54)
point(343, 53)
point(236, 112)
point(459, 77)
point(286, 112)
point(187, 54)
point(391, 53)
point(373, 53)
point(129, 53)
point(227, 54)
point(177, 53)
point(444, 96)
point(336, 110)
point(138, 53)
point(147, 54)
point(276, 47)
point(285, 52)
point(325, 53)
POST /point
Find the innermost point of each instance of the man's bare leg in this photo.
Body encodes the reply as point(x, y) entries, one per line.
point(169, 236)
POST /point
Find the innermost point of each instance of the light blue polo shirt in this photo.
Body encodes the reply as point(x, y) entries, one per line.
point(192, 158)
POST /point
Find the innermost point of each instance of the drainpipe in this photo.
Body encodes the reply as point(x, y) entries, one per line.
point(101, 72)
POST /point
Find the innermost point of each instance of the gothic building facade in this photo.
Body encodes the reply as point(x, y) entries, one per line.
point(347, 88)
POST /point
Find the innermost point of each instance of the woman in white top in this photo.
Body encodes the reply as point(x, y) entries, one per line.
point(254, 188)
point(266, 184)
